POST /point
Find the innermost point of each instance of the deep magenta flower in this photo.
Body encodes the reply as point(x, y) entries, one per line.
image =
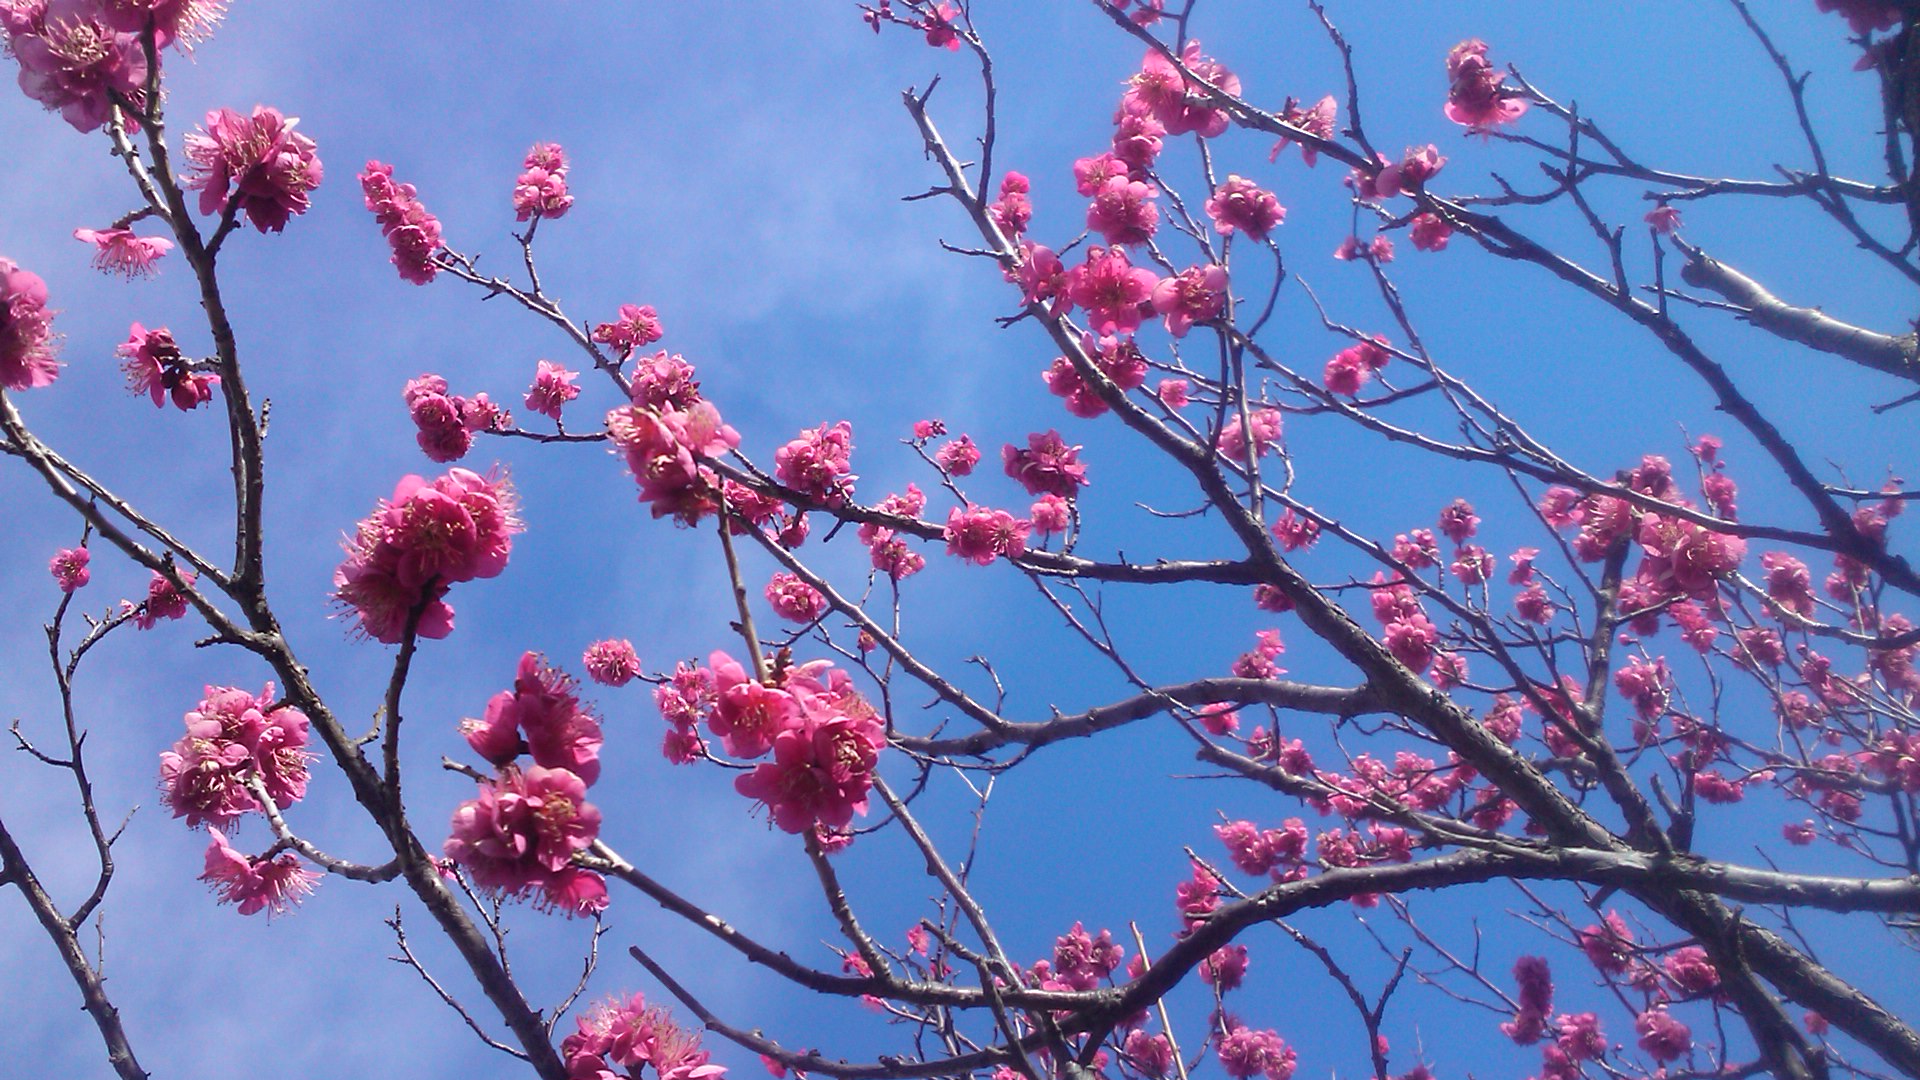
point(270, 885)
point(1111, 289)
point(1194, 295)
point(1244, 206)
point(413, 233)
point(637, 326)
point(26, 330)
point(69, 568)
point(981, 534)
point(553, 386)
point(1047, 466)
point(74, 58)
point(541, 191)
point(822, 768)
point(1475, 97)
point(422, 540)
point(519, 834)
point(155, 367)
point(268, 167)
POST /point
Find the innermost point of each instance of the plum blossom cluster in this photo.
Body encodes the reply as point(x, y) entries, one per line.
point(665, 433)
point(237, 741)
point(1476, 98)
point(155, 367)
point(402, 559)
point(257, 164)
point(631, 1036)
point(447, 422)
point(519, 834)
point(637, 326)
point(412, 232)
point(541, 190)
point(26, 330)
point(824, 738)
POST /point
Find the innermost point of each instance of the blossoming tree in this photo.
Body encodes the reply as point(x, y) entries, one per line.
point(1660, 710)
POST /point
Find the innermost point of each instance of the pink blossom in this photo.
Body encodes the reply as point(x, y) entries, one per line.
point(1664, 219)
point(74, 59)
point(1864, 16)
point(664, 447)
point(1083, 961)
point(1430, 232)
point(118, 251)
point(26, 330)
point(818, 463)
point(1316, 120)
point(1050, 514)
point(1661, 1035)
point(1232, 440)
point(939, 26)
point(553, 386)
point(630, 1035)
point(636, 327)
point(1380, 249)
point(794, 600)
point(1194, 295)
point(1160, 89)
point(1348, 250)
point(1111, 289)
point(426, 537)
point(164, 600)
point(413, 233)
point(1038, 272)
point(1475, 98)
point(541, 191)
point(519, 834)
point(69, 568)
point(1295, 532)
point(155, 367)
point(958, 456)
point(1245, 1053)
point(1151, 1055)
point(1409, 174)
point(1123, 211)
point(187, 21)
point(1411, 641)
point(1685, 557)
point(822, 767)
point(1012, 211)
point(1047, 465)
point(611, 662)
point(1174, 393)
point(233, 736)
point(269, 167)
point(1608, 945)
point(270, 885)
point(1090, 174)
point(1242, 205)
point(1225, 968)
point(1137, 139)
point(980, 534)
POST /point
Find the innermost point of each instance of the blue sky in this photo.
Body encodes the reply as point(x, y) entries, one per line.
point(738, 165)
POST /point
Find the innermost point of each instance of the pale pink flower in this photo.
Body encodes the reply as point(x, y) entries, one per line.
point(1195, 295)
point(267, 166)
point(270, 885)
point(69, 568)
point(1475, 98)
point(636, 327)
point(553, 386)
point(118, 251)
point(611, 662)
point(413, 233)
point(1232, 440)
point(1051, 514)
point(26, 330)
point(1244, 206)
point(1430, 232)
